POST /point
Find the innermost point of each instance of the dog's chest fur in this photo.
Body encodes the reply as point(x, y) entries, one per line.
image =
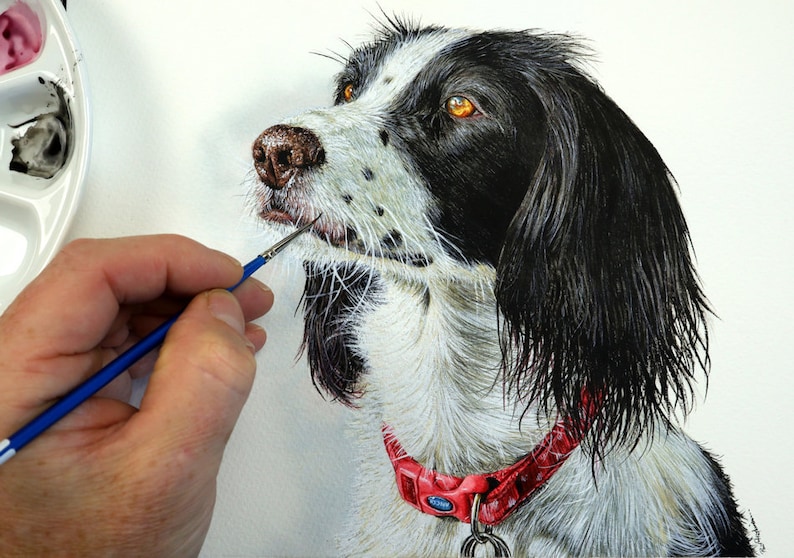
point(433, 371)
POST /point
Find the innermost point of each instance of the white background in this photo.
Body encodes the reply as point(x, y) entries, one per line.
point(180, 88)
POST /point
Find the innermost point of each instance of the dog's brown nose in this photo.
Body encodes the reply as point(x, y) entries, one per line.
point(282, 152)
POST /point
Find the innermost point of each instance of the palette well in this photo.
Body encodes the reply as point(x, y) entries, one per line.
point(44, 137)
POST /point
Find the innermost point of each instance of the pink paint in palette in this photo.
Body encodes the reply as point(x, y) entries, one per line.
point(20, 37)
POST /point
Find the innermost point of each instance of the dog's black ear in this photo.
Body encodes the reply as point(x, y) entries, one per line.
point(595, 282)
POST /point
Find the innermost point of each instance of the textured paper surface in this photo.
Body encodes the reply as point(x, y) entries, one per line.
point(180, 90)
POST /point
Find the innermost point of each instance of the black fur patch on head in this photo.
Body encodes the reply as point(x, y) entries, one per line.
point(330, 296)
point(477, 169)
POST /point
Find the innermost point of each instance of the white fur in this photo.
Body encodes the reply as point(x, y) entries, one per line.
point(431, 344)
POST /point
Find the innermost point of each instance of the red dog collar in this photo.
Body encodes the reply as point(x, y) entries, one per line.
point(502, 491)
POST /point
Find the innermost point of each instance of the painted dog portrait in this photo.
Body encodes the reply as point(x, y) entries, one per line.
point(500, 285)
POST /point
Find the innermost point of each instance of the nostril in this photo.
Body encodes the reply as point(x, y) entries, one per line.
point(284, 158)
point(259, 153)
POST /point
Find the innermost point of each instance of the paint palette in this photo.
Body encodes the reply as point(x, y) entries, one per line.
point(44, 137)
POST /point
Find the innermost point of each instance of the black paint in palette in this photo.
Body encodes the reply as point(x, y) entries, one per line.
point(43, 144)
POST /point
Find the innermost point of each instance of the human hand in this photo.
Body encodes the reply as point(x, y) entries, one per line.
point(109, 479)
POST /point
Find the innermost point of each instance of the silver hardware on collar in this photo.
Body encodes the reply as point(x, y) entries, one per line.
point(482, 534)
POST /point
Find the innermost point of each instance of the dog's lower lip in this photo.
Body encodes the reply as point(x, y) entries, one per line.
point(278, 216)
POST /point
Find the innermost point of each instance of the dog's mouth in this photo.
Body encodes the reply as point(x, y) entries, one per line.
point(325, 229)
point(279, 216)
point(390, 246)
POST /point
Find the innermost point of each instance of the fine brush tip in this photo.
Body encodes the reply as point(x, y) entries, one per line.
point(280, 245)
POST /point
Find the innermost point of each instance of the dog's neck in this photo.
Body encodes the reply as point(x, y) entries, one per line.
point(433, 373)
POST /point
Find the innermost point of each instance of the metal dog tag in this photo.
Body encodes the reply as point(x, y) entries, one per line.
point(468, 550)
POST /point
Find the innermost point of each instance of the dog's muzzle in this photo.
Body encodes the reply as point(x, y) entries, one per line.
point(282, 153)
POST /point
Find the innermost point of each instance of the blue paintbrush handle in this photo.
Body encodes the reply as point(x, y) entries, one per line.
point(92, 385)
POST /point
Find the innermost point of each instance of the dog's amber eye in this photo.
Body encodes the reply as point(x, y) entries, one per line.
point(460, 107)
point(347, 92)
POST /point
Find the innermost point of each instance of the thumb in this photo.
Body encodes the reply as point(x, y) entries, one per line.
point(201, 379)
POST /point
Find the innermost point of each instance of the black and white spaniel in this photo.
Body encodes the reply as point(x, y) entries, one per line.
point(500, 284)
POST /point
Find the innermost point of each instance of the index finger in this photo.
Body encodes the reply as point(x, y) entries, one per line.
point(68, 309)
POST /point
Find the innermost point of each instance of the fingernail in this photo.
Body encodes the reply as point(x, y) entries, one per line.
point(225, 307)
point(255, 337)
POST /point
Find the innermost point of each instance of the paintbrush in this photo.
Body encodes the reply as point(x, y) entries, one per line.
point(11, 445)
